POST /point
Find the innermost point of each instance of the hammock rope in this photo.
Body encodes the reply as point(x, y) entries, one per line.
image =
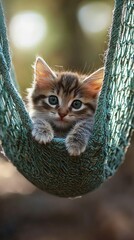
point(49, 166)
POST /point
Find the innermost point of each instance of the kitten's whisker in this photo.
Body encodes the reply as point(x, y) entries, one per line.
point(84, 68)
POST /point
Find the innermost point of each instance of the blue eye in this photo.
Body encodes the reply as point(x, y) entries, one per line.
point(76, 104)
point(53, 100)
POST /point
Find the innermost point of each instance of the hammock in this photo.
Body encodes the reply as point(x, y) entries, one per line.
point(49, 166)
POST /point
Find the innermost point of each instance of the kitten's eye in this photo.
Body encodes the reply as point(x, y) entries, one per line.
point(53, 100)
point(76, 104)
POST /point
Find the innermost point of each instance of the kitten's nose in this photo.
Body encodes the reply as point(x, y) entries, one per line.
point(62, 114)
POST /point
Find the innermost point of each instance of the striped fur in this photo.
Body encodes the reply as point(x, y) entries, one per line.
point(72, 114)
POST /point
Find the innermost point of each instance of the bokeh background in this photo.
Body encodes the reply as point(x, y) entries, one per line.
point(69, 35)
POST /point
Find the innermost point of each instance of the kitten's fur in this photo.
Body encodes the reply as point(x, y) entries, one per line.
point(63, 119)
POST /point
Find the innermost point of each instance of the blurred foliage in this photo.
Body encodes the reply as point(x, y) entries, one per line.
point(65, 45)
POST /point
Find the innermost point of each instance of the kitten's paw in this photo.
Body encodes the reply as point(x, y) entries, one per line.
point(75, 148)
point(42, 132)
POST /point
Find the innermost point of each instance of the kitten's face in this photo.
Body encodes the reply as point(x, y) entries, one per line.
point(63, 98)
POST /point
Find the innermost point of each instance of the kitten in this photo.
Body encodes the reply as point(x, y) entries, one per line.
point(62, 104)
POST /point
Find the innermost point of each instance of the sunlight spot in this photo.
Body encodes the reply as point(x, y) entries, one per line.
point(94, 17)
point(27, 29)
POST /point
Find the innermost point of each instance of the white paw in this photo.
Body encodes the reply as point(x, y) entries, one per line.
point(75, 148)
point(42, 133)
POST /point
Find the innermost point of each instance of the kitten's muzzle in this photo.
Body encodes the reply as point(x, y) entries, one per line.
point(62, 114)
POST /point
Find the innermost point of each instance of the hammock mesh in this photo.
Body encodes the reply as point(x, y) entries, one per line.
point(50, 167)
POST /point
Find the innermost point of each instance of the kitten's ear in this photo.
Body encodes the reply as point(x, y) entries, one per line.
point(93, 82)
point(42, 71)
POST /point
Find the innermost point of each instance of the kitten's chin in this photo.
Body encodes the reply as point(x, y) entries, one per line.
point(62, 124)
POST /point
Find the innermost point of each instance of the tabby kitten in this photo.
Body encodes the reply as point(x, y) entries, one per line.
point(62, 104)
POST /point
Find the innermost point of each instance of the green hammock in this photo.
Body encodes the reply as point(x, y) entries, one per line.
point(50, 167)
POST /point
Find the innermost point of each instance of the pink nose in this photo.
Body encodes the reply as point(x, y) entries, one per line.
point(62, 115)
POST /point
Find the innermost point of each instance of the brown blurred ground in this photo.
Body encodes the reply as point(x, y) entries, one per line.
point(107, 213)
